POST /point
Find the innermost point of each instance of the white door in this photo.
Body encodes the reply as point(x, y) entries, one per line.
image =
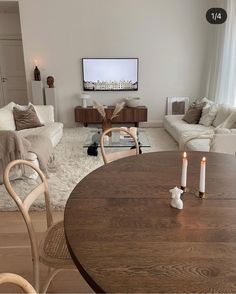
point(12, 73)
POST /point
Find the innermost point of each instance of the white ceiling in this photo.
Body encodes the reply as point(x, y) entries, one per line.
point(9, 7)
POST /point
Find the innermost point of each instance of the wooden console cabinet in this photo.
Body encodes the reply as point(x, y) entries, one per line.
point(90, 115)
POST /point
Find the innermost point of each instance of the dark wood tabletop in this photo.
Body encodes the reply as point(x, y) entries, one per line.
point(124, 236)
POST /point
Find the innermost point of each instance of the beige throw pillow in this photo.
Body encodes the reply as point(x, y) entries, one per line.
point(26, 118)
point(193, 114)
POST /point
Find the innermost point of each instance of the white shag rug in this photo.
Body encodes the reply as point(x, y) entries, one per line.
point(72, 164)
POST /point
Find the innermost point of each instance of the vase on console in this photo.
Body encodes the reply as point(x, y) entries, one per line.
point(106, 124)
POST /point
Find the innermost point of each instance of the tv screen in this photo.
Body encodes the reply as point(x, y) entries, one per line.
point(110, 74)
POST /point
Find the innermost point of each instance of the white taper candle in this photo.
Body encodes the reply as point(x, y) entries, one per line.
point(202, 175)
point(184, 170)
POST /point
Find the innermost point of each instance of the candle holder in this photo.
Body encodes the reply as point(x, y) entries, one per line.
point(185, 189)
point(202, 195)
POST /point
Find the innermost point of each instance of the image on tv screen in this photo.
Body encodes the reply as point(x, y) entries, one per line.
point(110, 74)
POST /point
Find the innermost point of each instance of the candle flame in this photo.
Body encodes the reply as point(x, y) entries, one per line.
point(36, 62)
point(185, 155)
point(204, 159)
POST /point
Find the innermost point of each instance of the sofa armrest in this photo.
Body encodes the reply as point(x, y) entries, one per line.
point(45, 113)
point(224, 143)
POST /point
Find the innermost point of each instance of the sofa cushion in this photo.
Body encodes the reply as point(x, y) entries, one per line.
point(233, 126)
point(6, 118)
point(198, 145)
point(230, 121)
point(224, 143)
point(222, 131)
point(176, 126)
point(53, 131)
point(222, 113)
point(26, 118)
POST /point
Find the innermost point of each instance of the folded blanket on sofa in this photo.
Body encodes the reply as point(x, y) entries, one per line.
point(12, 147)
point(42, 147)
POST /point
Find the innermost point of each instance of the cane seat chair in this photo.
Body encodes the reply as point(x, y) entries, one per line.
point(52, 251)
point(109, 157)
point(17, 280)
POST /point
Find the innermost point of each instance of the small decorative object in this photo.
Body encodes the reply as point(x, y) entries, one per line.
point(93, 149)
point(107, 121)
point(132, 130)
point(96, 137)
point(184, 172)
point(106, 139)
point(50, 81)
point(132, 101)
point(202, 178)
point(37, 75)
point(176, 201)
point(84, 97)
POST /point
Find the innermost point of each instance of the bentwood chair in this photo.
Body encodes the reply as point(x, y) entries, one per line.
point(17, 280)
point(52, 251)
point(109, 157)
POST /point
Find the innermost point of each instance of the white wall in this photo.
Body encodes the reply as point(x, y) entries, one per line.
point(168, 36)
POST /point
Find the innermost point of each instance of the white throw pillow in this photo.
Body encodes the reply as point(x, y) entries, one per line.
point(9, 106)
point(207, 101)
point(209, 113)
point(223, 112)
point(7, 121)
point(45, 113)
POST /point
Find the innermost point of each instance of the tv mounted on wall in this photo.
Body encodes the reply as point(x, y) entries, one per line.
point(110, 74)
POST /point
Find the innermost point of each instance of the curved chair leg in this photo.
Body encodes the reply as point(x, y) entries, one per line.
point(51, 275)
point(36, 275)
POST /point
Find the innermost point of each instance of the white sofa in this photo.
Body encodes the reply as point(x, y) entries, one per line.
point(221, 140)
point(51, 129)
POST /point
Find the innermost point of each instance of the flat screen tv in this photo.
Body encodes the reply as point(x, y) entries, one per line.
point(110, 74)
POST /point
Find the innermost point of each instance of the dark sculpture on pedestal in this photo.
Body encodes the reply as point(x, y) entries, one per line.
point(50, 81)
point(37, 75)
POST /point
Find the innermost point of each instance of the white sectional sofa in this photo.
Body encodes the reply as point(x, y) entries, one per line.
point(216, 138)
point(51, 129)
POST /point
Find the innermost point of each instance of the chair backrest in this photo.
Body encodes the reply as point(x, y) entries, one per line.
point(24, 206)
point(109, 157)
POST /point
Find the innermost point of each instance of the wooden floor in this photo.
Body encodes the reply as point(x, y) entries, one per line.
point(15, 254)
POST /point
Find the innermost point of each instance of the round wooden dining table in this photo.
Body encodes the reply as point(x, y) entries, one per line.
point(124, 237)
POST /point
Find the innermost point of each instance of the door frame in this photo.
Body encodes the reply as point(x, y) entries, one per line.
point(3, 88)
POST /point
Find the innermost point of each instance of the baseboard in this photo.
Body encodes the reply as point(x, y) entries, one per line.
point(152, 124)
point(71, 125)
point(148, 124)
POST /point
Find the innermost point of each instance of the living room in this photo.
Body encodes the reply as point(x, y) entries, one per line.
point(182, 120)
